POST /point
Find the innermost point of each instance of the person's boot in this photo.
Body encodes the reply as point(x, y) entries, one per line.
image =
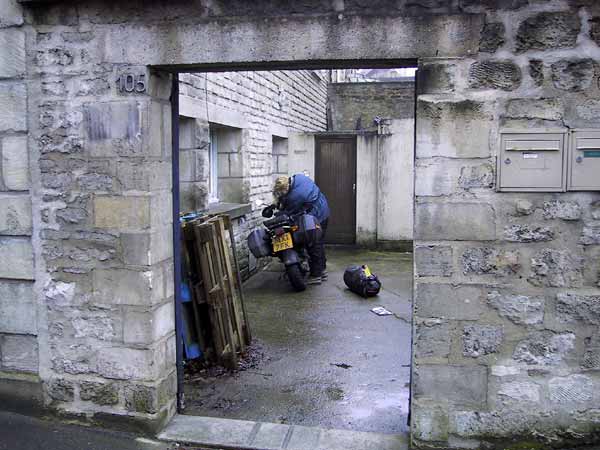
point(324, 275)
point(313, 280)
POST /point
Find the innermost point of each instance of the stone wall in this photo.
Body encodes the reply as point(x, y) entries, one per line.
point(506, 306)
point(19, 353)
point(354, 106)
point(506, 284)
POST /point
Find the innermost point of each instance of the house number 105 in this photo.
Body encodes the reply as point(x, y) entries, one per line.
point(129, 82)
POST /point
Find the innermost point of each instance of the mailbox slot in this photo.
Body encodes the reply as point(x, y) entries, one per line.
point(532, 161)
point(584, 161)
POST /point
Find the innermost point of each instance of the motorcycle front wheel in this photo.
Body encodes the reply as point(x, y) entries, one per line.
point(296, 277)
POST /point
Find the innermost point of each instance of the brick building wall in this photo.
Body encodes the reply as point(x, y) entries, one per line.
point(249, 116)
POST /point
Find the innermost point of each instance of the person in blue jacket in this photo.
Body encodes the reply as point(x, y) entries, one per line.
point(299, 193)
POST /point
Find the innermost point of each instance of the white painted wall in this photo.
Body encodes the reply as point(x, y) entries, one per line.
point(396, 182)
point(384, 180)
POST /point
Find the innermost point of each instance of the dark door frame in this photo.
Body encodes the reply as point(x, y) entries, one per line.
point(334, 135)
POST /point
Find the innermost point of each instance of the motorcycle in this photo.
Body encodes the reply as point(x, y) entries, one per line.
point(287, 237)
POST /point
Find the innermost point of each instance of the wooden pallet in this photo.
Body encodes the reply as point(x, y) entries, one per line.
point(219, 312)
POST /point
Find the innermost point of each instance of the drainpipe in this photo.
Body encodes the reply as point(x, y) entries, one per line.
point(176, 238)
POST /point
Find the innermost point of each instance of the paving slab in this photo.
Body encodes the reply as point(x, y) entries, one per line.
point(247, 435)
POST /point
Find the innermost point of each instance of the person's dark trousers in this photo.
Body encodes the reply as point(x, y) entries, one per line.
point(316, 253)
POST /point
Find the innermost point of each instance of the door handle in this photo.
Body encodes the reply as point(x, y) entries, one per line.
point(354, 188)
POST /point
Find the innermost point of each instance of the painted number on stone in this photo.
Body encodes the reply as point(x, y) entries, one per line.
point(129, 82)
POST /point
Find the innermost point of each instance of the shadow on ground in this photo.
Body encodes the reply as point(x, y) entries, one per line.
point(328, 361)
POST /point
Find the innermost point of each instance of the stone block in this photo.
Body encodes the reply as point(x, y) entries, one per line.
point(519, 309)
point(459, 385)
point(573, 307)
point(431, 423)
point(127, 363)
point(12, 13)
point(578, 389)
point(591, 355)
point(453, 129)
point(590, 235)
point(455, 222)
point(19, 352)
point(573, 74)
point(528, 233)
point(161, 209)
point(17, 307)
point(595, 210)
point(544, 348)
point(13, 107)
point(548, 30)
point(128, 287)
point(187, 165)
point(492, 37)
point(535, 108)
point(15, 163)
point(448, 301)
point(485, 260)
point(18, 252)
point(60, 390)
point(503, 75)
point(595, 29)
point(145, 249)
point(435, 179)
point(556, 268)
point(480, 340)
point(15, 215)
point(99, 393)
point(432, 339)
point(146, 327)
point(12, 53)
point(519, 391)
point(479, 176)
point(565, 210)
point(436, 78)
point(536, 71)
point(524, 207)
point(115, 128)
point(433, 261)
point(126, 212)
point(140, 398)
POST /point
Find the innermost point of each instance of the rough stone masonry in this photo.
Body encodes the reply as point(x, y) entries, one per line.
point(507, 285)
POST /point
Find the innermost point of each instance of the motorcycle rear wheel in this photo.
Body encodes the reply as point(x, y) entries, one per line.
point(296, 277)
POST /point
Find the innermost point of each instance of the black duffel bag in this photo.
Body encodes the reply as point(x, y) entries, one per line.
point(360, 280)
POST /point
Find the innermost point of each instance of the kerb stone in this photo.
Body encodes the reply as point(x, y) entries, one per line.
point(455, 222)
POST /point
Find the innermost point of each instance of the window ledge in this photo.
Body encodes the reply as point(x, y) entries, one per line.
point(233, 210)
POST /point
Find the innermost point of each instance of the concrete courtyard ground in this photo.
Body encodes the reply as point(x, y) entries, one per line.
point(327, 360)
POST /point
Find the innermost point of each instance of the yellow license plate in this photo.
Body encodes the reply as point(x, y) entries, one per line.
point(282, 242)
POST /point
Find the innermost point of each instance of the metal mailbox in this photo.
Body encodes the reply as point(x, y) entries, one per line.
point(531, 161)
point(584, 161)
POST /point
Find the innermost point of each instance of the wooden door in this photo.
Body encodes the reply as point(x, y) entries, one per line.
point(335, 167)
